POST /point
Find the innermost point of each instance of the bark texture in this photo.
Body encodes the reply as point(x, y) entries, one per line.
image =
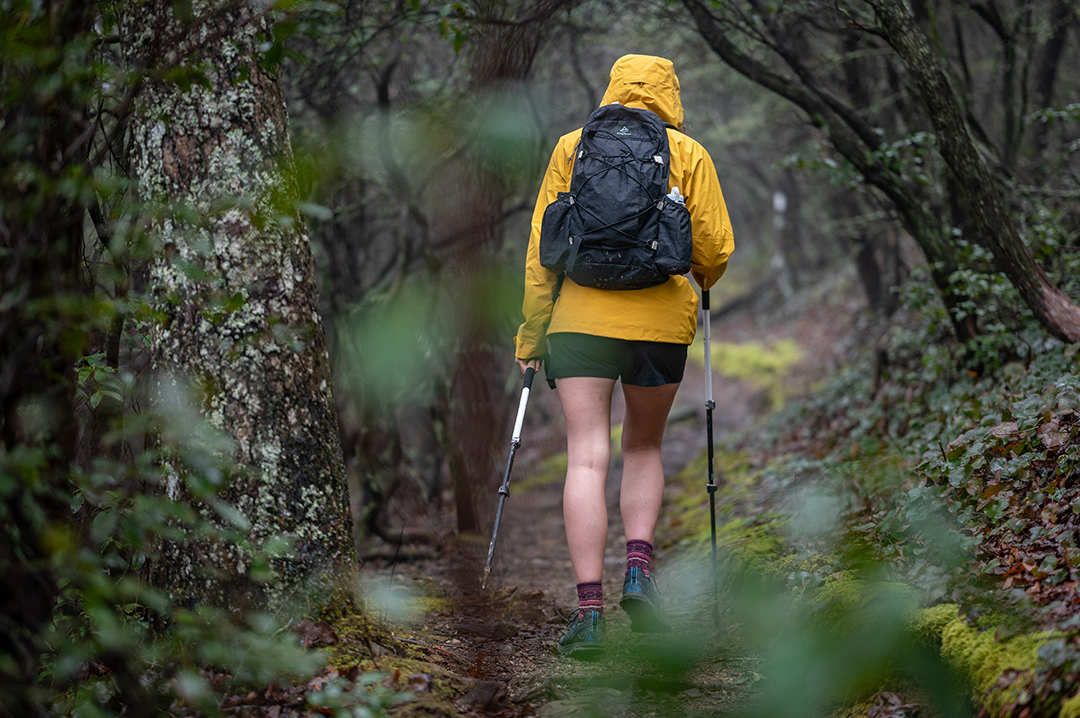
point(977, 191)
point(238, 329)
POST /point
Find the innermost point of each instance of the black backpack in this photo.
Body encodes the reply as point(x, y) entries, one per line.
point(617, 228)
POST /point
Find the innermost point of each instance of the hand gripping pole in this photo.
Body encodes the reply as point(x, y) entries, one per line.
point(504, 490)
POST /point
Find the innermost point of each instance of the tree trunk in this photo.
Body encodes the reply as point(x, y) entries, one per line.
point(238, 331)
point(978, 193)
point(1047, 63)
point(505, 44)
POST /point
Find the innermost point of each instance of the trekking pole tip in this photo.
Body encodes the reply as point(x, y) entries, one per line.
point(483, 581)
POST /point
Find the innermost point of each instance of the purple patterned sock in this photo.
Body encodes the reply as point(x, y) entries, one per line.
point(638, 553)
point(590, 596)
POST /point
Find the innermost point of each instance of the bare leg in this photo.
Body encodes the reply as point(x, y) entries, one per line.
point(643, 473)
point(586, 404)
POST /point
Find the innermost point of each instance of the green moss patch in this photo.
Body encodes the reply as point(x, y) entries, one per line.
point(765, 365)
point(982, 659)
point(549, 471)
point(1070, 708)
point(404, 662)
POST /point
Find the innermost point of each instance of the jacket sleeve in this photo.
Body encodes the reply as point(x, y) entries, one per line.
point(713, 239)
point(540, 283)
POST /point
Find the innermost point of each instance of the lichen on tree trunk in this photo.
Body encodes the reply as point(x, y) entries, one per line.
point(237, 328)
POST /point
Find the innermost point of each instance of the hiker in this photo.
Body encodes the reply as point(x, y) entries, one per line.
point(589, 337)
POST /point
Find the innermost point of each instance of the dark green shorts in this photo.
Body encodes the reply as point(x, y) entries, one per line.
point(636, 363)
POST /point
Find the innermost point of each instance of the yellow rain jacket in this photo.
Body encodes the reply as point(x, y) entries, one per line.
point(666, 312)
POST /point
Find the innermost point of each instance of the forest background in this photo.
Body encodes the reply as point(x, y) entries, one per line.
point(260, 269)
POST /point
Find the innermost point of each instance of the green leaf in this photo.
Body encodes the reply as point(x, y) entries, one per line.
point(957, 476)
point(315, 211)
point(103, 525)
point(273, 55)
point(183, 11)
point(235, 302)
point(232, 515)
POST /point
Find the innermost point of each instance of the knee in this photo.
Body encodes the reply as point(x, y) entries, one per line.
point(641, 446)
point(589, 460)
point(638, 438)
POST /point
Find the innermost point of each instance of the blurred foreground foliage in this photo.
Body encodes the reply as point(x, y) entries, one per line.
point(947, 468)
point(83, 506)
point(925, 473)
point(84, 495)
point(119, 646)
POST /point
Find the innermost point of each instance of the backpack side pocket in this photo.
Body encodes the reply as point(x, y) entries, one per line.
point(559, 229)
point(675, 243)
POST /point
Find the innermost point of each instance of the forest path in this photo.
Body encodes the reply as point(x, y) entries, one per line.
point(692, 670)
point(505, 637)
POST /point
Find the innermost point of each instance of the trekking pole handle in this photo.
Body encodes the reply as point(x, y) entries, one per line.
point(525, 390)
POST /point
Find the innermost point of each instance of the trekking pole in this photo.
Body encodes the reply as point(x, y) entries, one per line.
point(504, 490)
point(711, 485)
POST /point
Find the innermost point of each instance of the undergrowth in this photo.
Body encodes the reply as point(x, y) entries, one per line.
point(954, 470)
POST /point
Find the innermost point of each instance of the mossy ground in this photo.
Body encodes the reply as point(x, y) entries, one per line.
point(765, 365)
point(751, 535)
point(406, 657)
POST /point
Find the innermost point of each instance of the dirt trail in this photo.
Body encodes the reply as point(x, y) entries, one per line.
point(642, 674)
point(505, 637)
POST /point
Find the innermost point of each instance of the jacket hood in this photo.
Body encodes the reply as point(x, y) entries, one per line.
point(648, 83)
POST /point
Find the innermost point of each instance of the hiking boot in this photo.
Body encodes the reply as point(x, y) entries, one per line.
point(641, 601)
point(584, 635)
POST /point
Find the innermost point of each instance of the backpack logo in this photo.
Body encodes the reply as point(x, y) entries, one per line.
point(624, 131)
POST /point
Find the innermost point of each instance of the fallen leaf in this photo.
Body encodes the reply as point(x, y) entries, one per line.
point(1051, 434)
point(1005, 429)
point(313, 634)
